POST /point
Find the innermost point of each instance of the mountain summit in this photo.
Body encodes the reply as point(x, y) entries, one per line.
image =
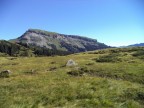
point(52, 40)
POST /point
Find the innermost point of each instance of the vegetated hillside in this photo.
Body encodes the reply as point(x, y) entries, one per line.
point(12, 49)
point(111, 78)
point(56, 41)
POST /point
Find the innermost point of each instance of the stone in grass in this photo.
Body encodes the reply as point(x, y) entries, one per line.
point(71, 63)
point(5, 73)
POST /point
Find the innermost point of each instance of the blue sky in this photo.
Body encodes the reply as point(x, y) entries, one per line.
point(113, 22)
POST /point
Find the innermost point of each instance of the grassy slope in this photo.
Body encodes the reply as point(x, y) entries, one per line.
point(116, 84)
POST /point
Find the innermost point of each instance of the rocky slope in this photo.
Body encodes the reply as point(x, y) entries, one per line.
point(52, 40)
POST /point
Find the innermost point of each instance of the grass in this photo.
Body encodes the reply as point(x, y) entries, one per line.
point(45, 82)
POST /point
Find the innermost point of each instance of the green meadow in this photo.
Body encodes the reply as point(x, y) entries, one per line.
point(110, 78)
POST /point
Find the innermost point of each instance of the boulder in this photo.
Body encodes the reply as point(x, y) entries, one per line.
point(71, 63)
point(5, 73)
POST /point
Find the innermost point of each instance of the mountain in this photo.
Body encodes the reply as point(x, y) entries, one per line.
point(57, 41)
point(134, 45)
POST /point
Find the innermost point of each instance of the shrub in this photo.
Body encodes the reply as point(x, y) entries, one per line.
point(136, 94)
point(53, 62)
point(76, 72)
point(140, 95)
point(138, 53)
point(52, 68)
point(79, 71)
point(109, 58)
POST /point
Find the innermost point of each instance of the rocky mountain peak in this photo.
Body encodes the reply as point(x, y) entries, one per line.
point(53, 40)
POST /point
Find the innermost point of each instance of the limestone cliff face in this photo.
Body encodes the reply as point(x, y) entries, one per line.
point(52, 40)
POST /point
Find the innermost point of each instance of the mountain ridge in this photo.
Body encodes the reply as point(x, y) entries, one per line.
point(58, 41)
point(134, 45)
point(36, 42)
point(138, 44)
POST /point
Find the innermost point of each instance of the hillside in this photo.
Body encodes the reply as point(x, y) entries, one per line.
point(133, 45)
point(56, 41)
point(13, 49)
point(136, 45)
point(110, 78)
point(18, 50)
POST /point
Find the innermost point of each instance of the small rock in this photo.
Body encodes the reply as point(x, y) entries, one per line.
point(71, 63)
point(5, 73)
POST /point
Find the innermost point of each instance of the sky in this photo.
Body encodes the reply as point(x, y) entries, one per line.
point(113, 22)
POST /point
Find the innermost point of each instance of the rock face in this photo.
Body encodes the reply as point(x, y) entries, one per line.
point(71, 63)
point(52, 40)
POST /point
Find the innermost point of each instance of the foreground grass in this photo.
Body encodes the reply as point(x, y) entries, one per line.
point(43, 82)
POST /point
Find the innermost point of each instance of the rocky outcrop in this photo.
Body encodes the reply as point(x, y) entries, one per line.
point(71, 63)
point(52, 40)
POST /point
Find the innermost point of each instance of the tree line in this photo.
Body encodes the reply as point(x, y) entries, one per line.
point(22, 49)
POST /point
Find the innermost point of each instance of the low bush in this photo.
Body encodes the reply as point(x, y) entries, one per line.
point(5, 74)
point(76, 72)
point(52, 68)
point(138, 53)
point(80, 71)
point(109, 58)
point(136, 94)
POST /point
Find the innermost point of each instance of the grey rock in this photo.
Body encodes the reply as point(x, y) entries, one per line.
point(71, 63)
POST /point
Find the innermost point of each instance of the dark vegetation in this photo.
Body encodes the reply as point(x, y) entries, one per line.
point(12, 49)
point(22, 49)
point(113, 57)
point(139, 54)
